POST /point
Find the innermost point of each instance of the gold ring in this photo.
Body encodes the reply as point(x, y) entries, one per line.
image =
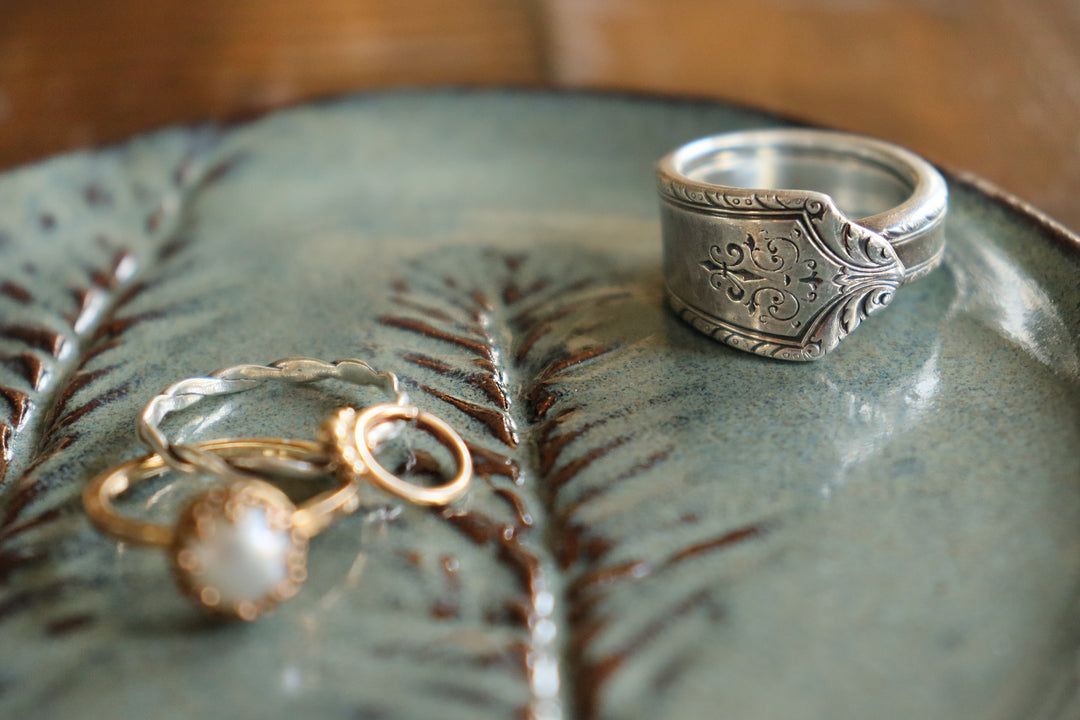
point(350, 434)
point(238, 549)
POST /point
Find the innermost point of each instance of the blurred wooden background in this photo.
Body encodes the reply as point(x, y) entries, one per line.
point(988, 85)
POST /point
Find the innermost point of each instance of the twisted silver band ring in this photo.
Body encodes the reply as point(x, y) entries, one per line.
point(781, 242)
point(182, 394)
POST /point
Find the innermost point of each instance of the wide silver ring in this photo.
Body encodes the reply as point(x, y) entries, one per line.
point(781, 242)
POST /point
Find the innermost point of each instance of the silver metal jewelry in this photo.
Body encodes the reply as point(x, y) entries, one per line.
point(781, 242)
point(182, 394)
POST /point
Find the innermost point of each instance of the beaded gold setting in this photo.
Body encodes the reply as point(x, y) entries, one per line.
point(234, 525)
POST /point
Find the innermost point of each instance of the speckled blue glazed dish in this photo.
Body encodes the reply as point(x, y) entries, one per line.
point(661, 527)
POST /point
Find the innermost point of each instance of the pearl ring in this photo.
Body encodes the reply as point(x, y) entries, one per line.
point(240, 548)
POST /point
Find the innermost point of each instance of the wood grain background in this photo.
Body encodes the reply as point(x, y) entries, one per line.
point(991, 86)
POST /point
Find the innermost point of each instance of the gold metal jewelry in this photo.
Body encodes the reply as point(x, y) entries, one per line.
point(239, 549)
point(352, 436)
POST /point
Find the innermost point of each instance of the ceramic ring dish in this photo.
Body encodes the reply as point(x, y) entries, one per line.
point(660, 526)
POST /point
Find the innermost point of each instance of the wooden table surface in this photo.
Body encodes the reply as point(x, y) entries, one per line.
point(991, 86)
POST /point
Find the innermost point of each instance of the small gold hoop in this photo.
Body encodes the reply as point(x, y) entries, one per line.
point(383, 478)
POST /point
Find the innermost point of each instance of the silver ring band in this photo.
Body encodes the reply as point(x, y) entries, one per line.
point(182, 394)
point(780, 242)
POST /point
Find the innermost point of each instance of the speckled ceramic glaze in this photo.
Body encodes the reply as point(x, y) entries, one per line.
point(661, 527)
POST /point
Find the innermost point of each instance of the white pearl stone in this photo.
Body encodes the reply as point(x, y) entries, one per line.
point(245, 560)
point(237, 552)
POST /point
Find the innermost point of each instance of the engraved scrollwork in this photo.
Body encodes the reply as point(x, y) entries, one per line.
point(777, 304)
point(795, 292)
point(768, 276)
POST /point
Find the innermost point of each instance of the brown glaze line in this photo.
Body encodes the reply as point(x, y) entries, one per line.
point(97, 196)
point(482, 381)
point(559, 364)
point(480, 299)
point(478, 528)
point(492, 389)
point(593, 675)
point(496, 421)
point(527, 315)
point(77, 383)
point(749, 532)
point(186, 174)
point(483, 530)
point(43, 519)
point(26, 491)
point(27, 365)
point(511, 293)
point(539, 400)
point(445, 610)
point(674, 669)
point(38, 337)
point(540, 327)
point(37, 596)
point(431, 312)
point(576, 542)
point(99, 278)
point(16, 292)
point(504, 656)
point(69, 624)
point(519, 613)
point(97, 348)
point(549, 448)
point(174, 247)
point(417, 326)
point(537, 286)
point(133, 291)
point(584, 608)
point(10, 560)
point(635, 569)
point(488, 462)
point(431, 363)
point(553, 424)
point(21, 405)
point(462, 694)
point(647, 464)
point(5, 450)
point(517, 503)
point(95, 403)
point(219, 170)
point(154, 219)
point(523, 560)
point(119, 326)
point(527, 344)
point(568, 472)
